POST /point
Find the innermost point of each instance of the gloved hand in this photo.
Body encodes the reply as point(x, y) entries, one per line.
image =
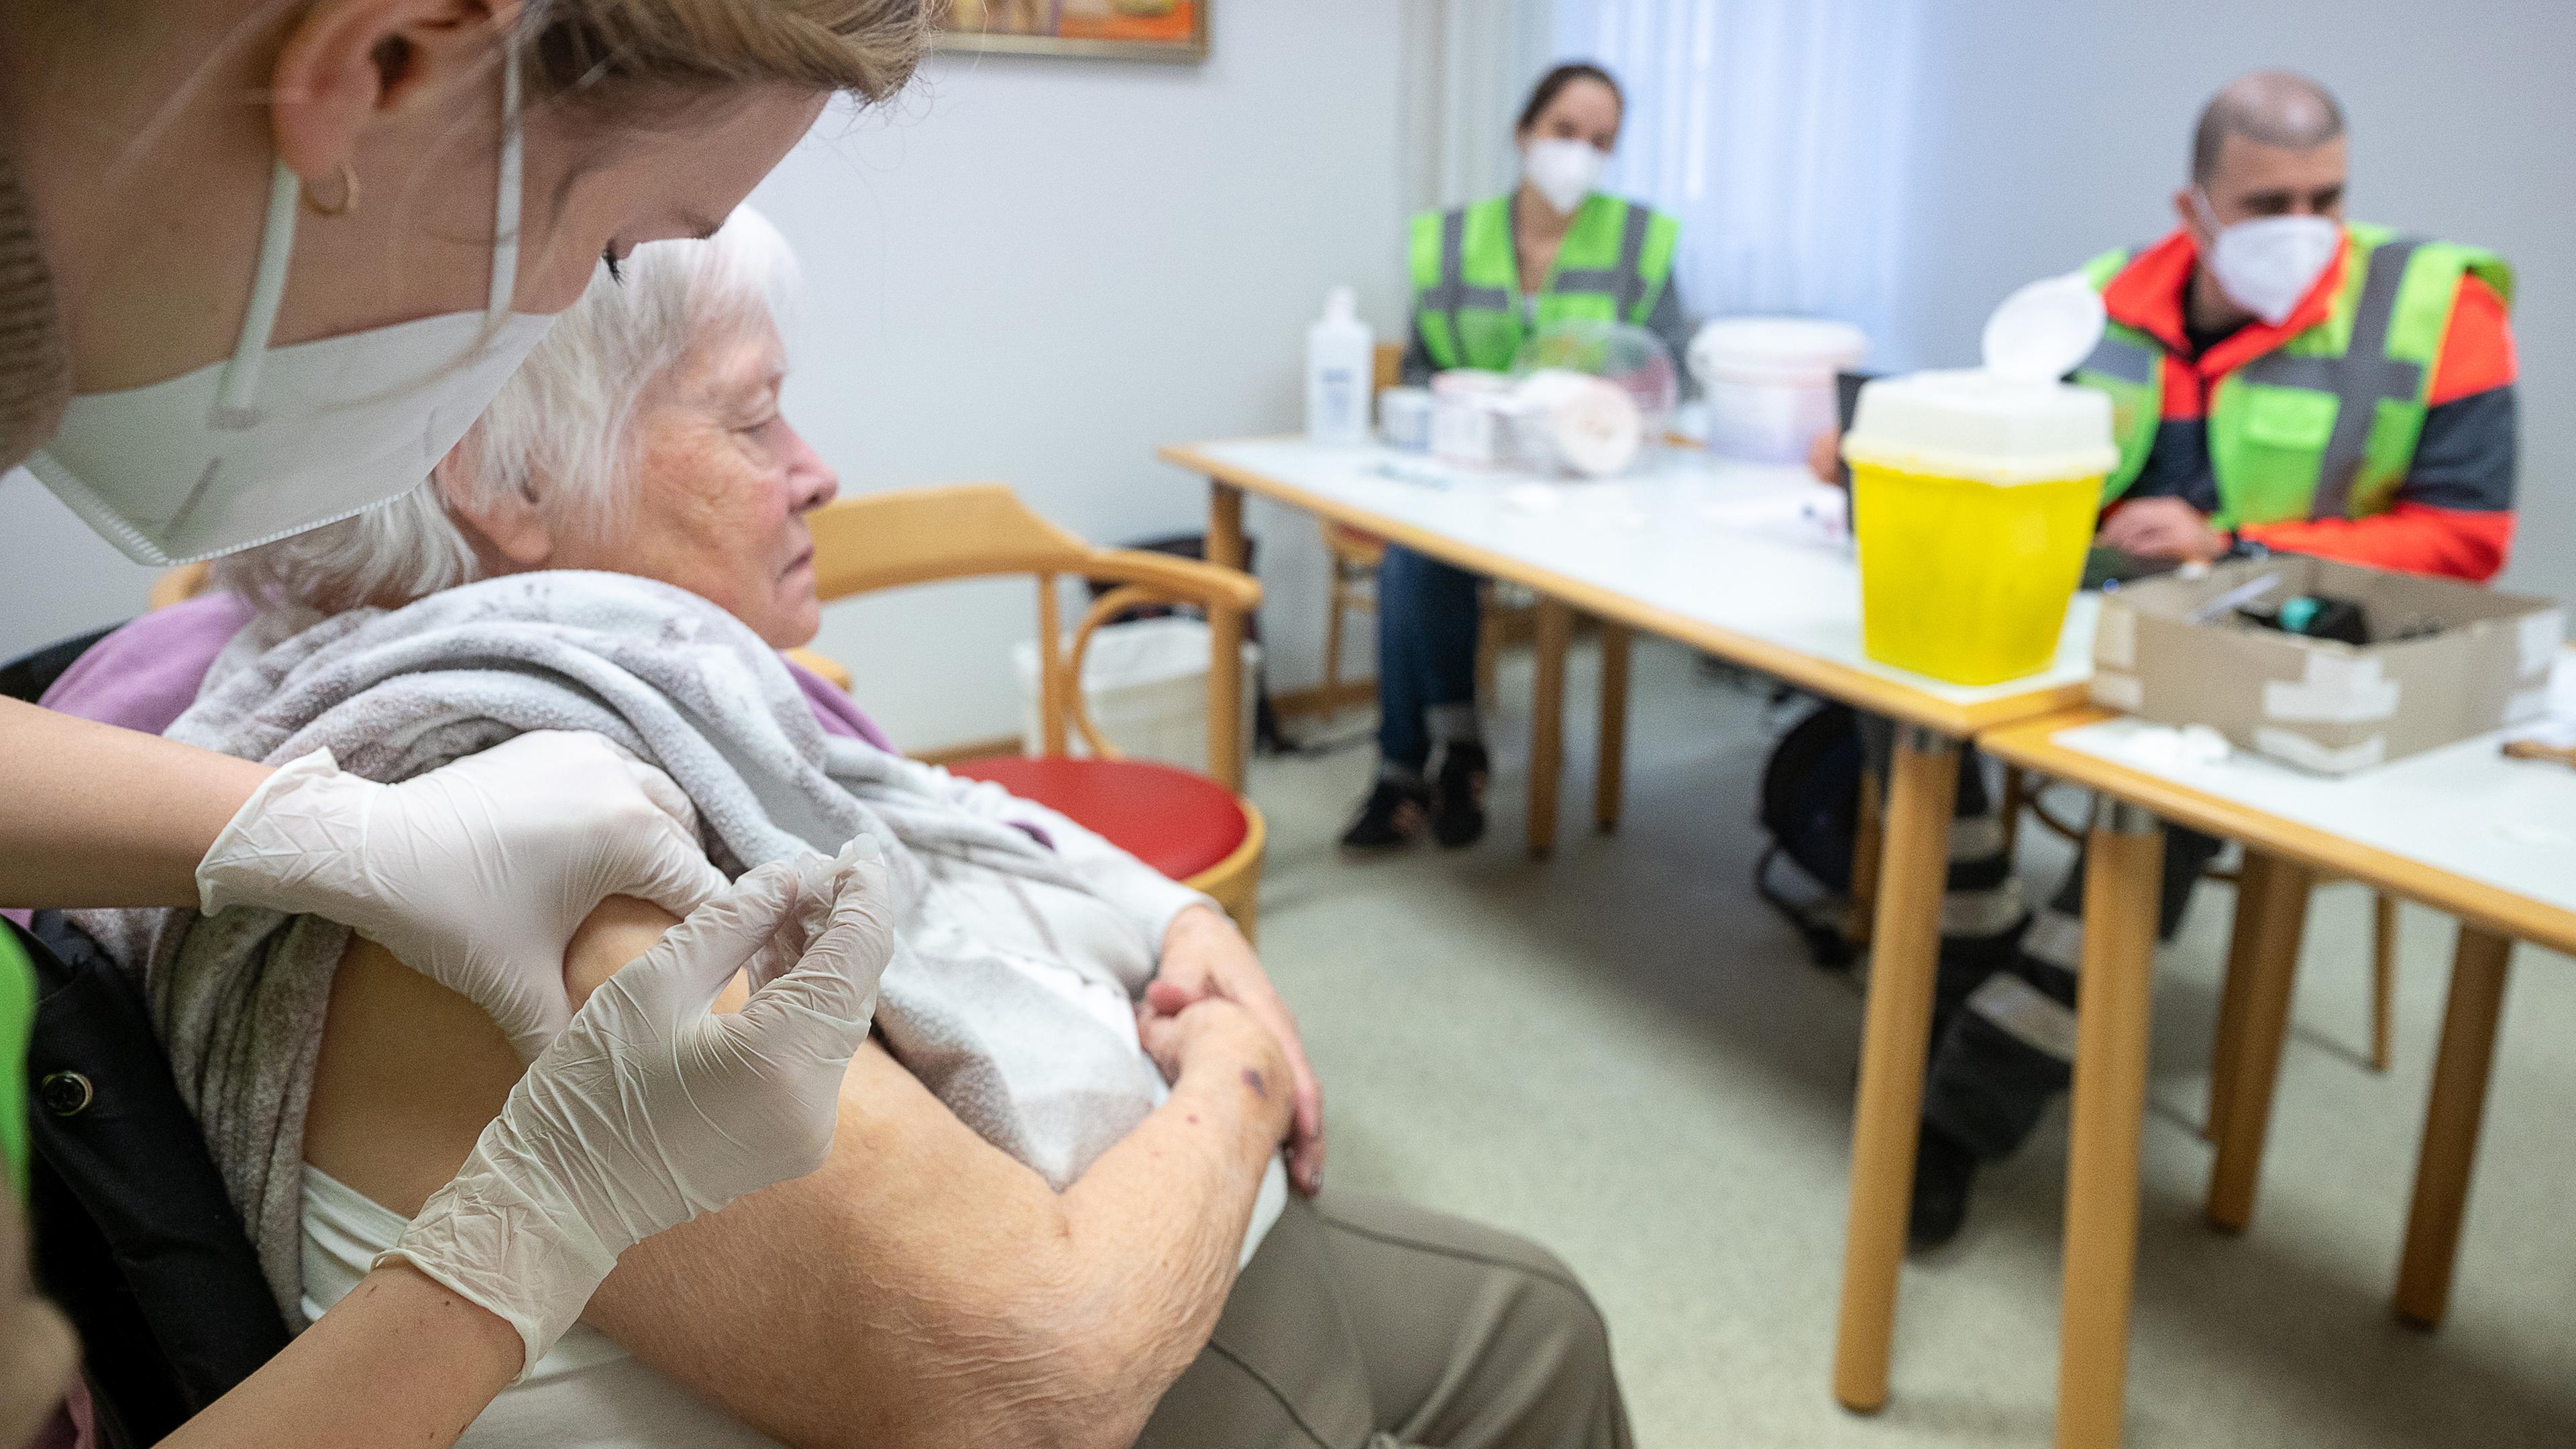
point(476, 873)
point(648, 1111)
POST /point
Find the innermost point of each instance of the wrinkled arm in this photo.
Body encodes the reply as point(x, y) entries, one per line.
point(924, 1288)
point(921, 1288)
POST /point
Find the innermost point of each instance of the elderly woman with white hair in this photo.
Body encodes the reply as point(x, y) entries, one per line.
point(1055, 1210)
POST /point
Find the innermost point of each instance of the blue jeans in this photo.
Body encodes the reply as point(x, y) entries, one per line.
point(1426, 649)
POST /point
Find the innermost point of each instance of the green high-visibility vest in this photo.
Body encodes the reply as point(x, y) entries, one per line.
point(17, 1023)
point(2325, 425)
point(1616, 260)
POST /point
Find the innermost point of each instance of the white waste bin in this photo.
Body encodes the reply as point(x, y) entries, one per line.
point(1146, 684)
point(1768, 382)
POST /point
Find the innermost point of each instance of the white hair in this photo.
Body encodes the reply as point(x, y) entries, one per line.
point(562, 431)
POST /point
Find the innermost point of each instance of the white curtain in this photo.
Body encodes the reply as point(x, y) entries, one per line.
point(1776, 131)
point(1468, 67)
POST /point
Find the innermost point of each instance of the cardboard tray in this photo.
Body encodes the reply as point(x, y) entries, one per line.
point(2319, 704)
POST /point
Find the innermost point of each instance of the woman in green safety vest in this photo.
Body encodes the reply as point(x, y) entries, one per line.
point(1485, 276)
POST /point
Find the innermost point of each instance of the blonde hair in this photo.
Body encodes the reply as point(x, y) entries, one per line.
point(563, 431)
point(601, 53)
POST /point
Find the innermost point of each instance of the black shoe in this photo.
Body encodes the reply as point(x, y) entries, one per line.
point(1944, 1171)
point(1394, 816)
point(1458, 799)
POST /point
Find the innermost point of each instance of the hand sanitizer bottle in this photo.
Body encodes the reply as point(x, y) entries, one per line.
point(1340, 364)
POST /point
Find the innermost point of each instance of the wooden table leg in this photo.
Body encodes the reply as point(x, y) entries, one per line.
point(1610, 777)
point(1922, 785)
point(1225, 630)
point(1547, 721)
point(2241, 945)
point(2271, 920)
point(2383, 976)
point(2113, 1001)
point(2451, 1121)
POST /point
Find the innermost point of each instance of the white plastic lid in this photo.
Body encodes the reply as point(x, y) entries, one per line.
point(1341, 304)
point(2044, 330)
point(1774, 349)
point(1981, 425)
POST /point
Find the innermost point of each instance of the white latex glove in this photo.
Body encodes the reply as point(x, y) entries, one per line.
point(648, 1110)
point(477, 873)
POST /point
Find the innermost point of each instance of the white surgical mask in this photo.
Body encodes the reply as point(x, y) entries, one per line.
point(281, 439)
point(2266, 264)
point(1563, 171)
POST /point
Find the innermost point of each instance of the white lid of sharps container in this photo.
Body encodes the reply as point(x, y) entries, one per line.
point(2010, 421)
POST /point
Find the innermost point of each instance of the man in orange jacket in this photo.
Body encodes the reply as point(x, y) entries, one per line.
point(2280, 379)
point(2292, 380)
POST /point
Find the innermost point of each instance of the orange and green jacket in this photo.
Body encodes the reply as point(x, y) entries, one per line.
point(2374, 425)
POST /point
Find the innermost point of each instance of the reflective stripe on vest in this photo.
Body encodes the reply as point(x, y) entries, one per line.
point(2324, 426)
point(2358, 378)
point(1612, 266)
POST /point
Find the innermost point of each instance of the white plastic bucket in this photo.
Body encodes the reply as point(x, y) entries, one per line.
point(1768, 382)
point(1146, 685)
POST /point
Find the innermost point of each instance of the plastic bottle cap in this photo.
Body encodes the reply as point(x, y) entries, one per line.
point(2045, 330)
point(1341, 304)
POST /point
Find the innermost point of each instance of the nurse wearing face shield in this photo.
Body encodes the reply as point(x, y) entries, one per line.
point(261, 263)
point(1486, 276)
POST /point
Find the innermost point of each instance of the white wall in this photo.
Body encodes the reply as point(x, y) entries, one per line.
point(1045, 268)
point(2052, 131)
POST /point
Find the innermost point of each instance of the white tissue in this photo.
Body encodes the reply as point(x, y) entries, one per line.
point(1593, 426)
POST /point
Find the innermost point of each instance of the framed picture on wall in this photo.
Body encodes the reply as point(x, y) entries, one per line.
point(1109, 29)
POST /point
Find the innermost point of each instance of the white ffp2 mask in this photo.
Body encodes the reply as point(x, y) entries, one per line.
point(281, 439)
point(2266, 264)
point(1563, 171)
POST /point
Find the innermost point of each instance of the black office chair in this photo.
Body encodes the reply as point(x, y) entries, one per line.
point(134, 1234)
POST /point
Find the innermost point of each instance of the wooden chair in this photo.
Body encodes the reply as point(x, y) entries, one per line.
point(1196, 830)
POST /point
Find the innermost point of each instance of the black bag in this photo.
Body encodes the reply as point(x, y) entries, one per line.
point(134, 1234)
point(1811, 812)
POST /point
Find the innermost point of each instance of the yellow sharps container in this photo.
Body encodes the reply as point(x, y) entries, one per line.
point(1973, 498)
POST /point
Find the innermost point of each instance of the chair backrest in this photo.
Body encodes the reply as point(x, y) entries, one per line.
point(1389, 365)
point(979, 530)
point(921, 535)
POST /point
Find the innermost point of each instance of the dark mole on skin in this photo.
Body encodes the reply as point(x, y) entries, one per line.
point(1253, 1080)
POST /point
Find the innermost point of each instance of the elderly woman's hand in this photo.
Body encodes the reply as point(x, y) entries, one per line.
point(1212, 1034)
point(1205, 956)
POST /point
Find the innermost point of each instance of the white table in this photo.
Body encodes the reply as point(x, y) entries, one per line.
point(1727, 559)
point(2462, 829)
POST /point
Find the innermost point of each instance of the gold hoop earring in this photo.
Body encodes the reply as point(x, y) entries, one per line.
point(348, 194)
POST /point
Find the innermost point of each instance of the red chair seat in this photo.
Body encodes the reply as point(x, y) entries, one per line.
point(1178, 822)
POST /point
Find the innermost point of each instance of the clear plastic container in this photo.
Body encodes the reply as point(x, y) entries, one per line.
point(1973, 502)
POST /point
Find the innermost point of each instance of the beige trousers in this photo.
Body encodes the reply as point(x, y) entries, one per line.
point(1365, 1324)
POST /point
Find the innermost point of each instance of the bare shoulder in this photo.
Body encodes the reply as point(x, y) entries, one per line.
point(410, 1072)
